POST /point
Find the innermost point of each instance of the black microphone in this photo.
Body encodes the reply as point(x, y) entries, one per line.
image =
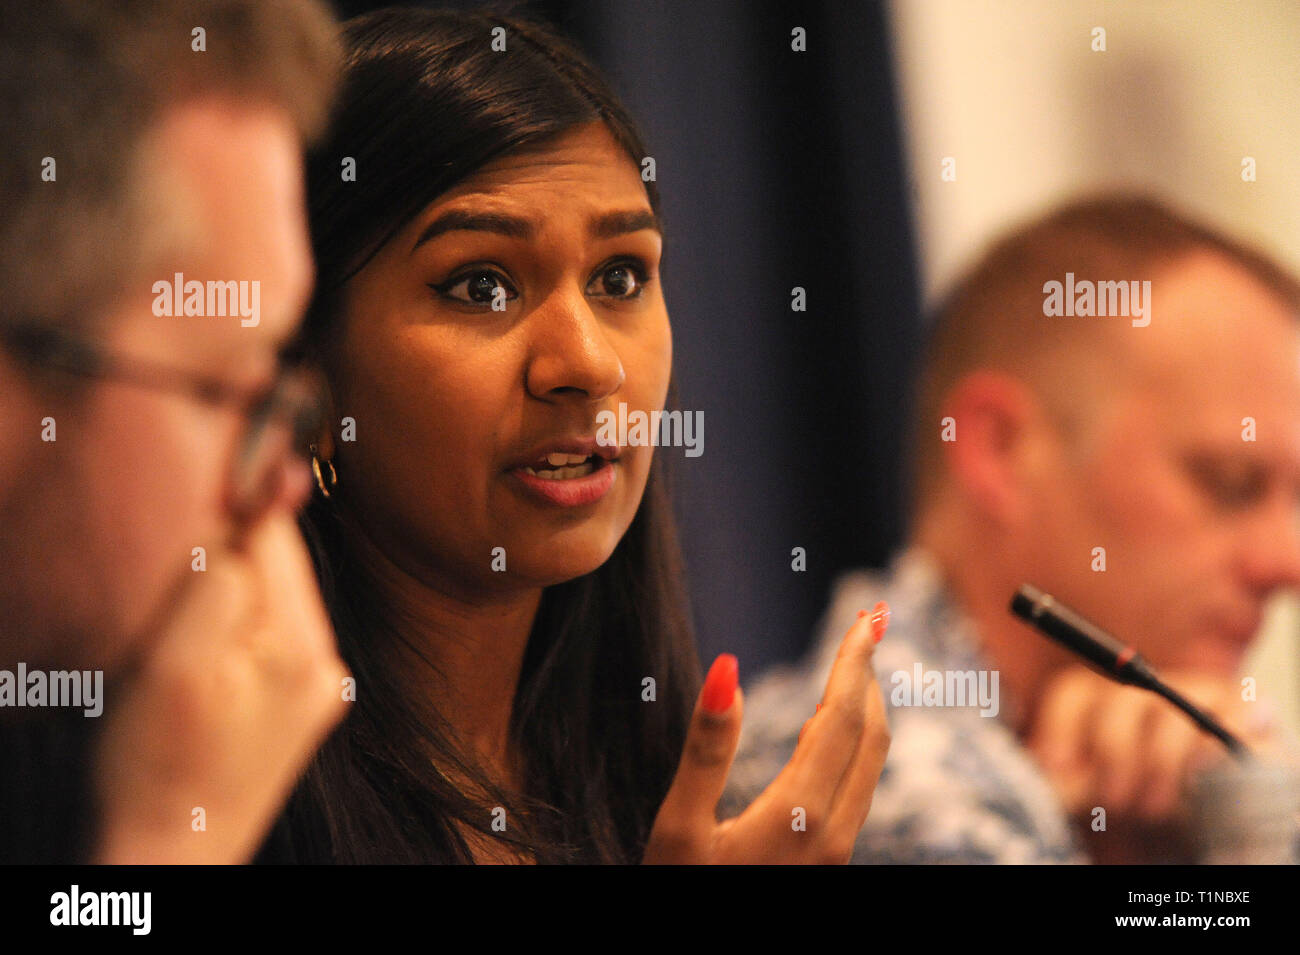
point(1109, 657)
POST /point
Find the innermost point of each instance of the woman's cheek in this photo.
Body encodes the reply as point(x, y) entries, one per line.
point(649, 372)
point(639, 475)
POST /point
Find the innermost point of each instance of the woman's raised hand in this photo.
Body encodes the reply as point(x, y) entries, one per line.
point(812, 811)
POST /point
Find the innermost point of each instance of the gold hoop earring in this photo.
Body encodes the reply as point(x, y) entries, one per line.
point(326, 486)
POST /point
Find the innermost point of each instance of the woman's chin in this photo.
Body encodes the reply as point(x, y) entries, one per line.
point(549, 569)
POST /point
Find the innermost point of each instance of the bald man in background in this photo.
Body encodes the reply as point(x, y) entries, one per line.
point(1144, 468)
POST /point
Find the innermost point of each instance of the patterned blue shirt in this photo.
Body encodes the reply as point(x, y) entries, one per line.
point(957, 787)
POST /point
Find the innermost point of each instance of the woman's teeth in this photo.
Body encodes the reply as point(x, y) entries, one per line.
point(563, 467)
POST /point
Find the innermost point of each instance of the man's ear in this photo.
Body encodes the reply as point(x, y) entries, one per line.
point(991, 454)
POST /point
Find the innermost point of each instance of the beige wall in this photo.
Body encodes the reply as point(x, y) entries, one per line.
point(1012, 90)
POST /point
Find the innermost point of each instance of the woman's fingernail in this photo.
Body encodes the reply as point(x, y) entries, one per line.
point(879, 621)
point(819, 708)
point(720, 684)
point(861, 614)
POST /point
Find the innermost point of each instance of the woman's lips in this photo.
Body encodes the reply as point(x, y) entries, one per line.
point(568, 491)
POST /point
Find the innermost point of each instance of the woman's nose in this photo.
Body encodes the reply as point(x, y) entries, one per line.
point(570, 351)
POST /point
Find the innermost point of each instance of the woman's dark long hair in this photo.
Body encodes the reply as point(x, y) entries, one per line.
point(427, 102)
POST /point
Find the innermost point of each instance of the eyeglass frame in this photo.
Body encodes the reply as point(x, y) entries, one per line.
point(49, 346)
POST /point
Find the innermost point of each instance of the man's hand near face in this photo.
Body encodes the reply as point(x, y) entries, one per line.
point(1131, 753)
point(225, 710)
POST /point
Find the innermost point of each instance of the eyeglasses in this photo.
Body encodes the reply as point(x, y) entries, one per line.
point(280, 420)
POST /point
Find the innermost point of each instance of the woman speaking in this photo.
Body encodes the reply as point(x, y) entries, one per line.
point(506, 589)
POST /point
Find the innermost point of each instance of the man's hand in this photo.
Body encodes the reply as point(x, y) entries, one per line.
point(1130, 751)
point(225, 711)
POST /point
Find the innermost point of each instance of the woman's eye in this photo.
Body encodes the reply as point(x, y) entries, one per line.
point(479, 287)
point(622, 280)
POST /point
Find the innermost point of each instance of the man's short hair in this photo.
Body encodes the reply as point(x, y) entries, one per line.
point(994, 315)
point(81, 82)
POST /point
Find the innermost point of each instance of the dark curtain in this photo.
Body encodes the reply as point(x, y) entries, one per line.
point(777, 169)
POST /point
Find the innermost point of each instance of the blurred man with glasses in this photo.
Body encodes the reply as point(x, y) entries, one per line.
point(150, 466)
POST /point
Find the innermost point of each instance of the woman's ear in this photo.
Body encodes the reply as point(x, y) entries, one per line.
point(325, 446)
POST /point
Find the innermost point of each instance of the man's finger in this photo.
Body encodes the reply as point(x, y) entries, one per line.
point(1061, 730)
point(1121, 743)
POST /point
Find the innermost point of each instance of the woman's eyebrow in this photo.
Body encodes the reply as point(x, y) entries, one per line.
point(454, 219)
point(612, 224)
point(605, 226)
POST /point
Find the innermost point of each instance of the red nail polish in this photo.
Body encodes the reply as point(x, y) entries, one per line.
point(720, 684)
point(861, 614)
point(879, 621)
point(819, 708)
